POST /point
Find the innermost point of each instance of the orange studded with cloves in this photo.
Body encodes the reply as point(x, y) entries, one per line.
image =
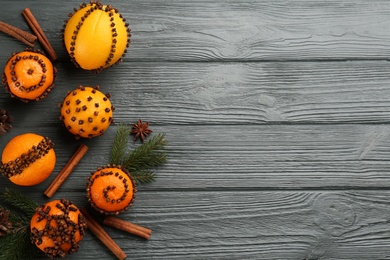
point(111, 190)
point(57, 228)
point(86, 112)
point(28, 159)
point(96, 36)
point(29, 75)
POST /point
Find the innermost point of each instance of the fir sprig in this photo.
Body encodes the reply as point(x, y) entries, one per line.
point(143, 176)
point(147, 155)
point(141, 159)
point(19, 201)
point(119, 146)
point(17, 244)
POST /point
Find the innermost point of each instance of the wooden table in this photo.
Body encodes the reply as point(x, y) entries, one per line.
point(277, 116)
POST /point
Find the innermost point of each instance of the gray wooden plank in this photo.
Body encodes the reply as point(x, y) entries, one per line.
point(230, 30)
point(252, 225)
point(262, 154)
point(228, 93)
point(240, 93)
point(247, 157)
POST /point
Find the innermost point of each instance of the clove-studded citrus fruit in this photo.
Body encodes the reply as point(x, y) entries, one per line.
point(86, 112)
point(111, 190)
point(96, 36)
point(28, 159)
point(29, 75)
point(57, 228)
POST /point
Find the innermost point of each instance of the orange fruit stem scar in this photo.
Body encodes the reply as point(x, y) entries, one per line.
point(29, 75)
point(28, 159)
point(57, 228)
point(96, 36)
point(111, 190)
point(86, 112)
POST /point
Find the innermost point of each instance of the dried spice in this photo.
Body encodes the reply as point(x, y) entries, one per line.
point(140, 130)
point(127, 226)
point(65, 172)
point(102, 235)
point(19, 34)
point(5, 121)
point(34, 25)
point(5, 223)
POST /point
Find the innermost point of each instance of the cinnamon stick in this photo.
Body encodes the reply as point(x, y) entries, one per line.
point(94, 226)
point(127, 226)
point(18, 34)
point(36, 28)
point(65, 172)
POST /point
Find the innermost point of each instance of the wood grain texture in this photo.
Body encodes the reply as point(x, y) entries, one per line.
point(247, 157)
point(228, 93)
point(230, 30)
point(252, 225)
point(276, 114)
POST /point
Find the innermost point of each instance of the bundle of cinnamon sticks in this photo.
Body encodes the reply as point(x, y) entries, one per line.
point(36, 28)
point(18, 34)
point(27, 37)
point(100, 233)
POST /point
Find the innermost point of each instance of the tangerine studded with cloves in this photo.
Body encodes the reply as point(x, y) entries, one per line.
point(57, 228)
point(28, 159)
point(86, 112)
point(29, 75)
point(111, 190)
point(96, 36)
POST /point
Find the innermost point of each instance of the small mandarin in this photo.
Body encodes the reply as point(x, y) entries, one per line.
point(29, 75)
point(86, 112)
point(96, 36)
point(111, 190)
point(28, 159)
point(57, 228)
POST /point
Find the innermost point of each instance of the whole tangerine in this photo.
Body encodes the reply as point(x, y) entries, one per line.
point(111, 190)
point(96, 36)
point(28, 159)
point(29, 75)
point(86, 112)
point(57, 228)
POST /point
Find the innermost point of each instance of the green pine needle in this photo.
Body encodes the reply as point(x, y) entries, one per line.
point(120, 144)
point(19, 201)
point(17, 244)
point(140, 160)
point(143, 176)
point(147, 155)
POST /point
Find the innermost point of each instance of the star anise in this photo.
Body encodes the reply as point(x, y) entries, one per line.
point(5, 121)
point(140, 130)
point(5, 223)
